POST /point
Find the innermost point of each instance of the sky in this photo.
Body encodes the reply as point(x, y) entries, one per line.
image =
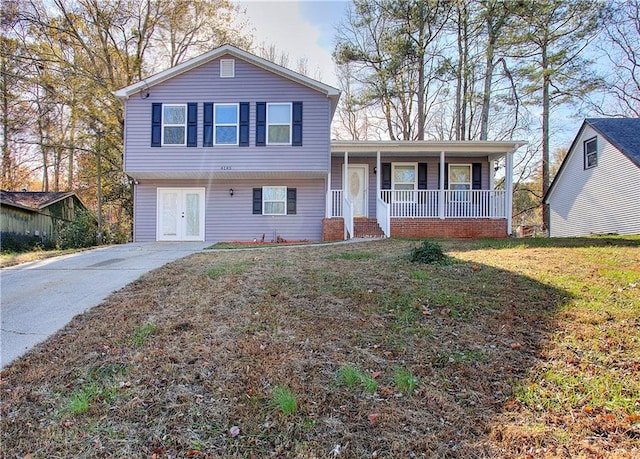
point(302, 29)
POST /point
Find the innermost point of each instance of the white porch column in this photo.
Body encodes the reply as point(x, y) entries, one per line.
point(492, 173)
point(441, 187)
point(508, 178)
point(378, 175)
point(345, 187)
point(329, 206)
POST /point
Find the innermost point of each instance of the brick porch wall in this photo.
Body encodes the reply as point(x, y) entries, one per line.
point(453, 228)
point(332, 229)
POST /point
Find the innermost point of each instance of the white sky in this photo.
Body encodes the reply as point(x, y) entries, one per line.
point(302, 29)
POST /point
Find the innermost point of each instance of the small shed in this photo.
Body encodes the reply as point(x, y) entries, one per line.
point(37, 214)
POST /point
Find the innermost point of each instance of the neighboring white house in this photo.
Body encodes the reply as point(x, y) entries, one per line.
point(597, 188)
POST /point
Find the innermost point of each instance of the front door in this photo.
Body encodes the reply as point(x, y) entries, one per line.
point(180, 214)
point(358, 189)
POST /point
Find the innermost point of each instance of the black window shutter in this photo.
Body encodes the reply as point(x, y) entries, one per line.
point(192, 125)
point(261, 124)
point(386, 176)
point(257, 201)
point(156, 125)
point(296, 134)
point(422, 176)
point(291, 201)
point(207, 131)
point(244, 124)
point(476, 176)
point(446, 176)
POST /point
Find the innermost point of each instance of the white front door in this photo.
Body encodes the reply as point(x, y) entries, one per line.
point(180, 214)
point(357, 192)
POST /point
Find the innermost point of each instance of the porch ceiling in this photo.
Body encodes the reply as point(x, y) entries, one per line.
point(453, 148)
point(224, 175)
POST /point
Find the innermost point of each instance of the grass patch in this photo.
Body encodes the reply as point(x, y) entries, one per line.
point(284, 400)
point(13, 259)
point(510, 348)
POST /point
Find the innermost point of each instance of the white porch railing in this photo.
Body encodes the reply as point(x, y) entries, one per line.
point(347, 206)
point(457, 203)
point(383, 216)
point(335, 203)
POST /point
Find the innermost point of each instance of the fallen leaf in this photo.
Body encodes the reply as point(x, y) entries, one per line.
point(234, 431)
point(516, 345)
point(632, 418)
point(373, 418)
point(376, 374)
point(587, 409)
point(193, 452)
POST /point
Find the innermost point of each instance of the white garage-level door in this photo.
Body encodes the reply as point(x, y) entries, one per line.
point(180, 214)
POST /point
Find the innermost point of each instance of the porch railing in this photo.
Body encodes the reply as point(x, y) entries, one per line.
point(426, 204)
point(348, 215)
point(383, 216)
point(457, 203)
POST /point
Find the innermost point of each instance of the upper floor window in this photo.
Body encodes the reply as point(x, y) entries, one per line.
point(174, 124)
point(279, 124)
point(226, 120)
point(591, 153)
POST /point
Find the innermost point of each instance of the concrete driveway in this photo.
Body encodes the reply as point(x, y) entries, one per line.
point(39, 298)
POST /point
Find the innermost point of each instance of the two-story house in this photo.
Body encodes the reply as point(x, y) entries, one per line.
point(229, 146)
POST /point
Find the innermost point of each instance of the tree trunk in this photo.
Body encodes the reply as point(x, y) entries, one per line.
point(545, 135)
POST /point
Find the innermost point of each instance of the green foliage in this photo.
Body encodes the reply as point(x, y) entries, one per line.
point(82, 232)
point(353, 256)
point(284, 399)
point(428, 253)
point(13, 242)
point(141, 333)
point(405, 381)
point(351, 377)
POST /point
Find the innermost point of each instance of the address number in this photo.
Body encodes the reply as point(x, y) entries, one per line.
point(225, 168)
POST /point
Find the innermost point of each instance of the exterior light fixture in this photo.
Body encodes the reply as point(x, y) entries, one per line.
point(230, 191)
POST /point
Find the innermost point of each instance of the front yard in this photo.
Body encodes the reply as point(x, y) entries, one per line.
point(516, 348)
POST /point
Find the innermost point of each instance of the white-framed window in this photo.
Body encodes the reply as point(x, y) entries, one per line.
point(274, 200)
point(404, 178)
point(225, 120)
point(591, 153)
point(227, 68)
point(460, 180)
point(174, 124)
point(279, 124)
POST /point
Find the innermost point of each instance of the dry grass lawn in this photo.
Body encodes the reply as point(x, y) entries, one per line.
point(509, 349)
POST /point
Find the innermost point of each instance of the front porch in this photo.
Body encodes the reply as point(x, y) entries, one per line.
point(420, 189)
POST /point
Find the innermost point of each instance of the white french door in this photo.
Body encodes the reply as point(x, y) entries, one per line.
point(180, 214)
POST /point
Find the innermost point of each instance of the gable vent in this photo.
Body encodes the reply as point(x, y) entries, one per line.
point(227, 68)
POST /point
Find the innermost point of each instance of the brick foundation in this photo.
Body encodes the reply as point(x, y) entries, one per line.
point(453, 228)
point(467, 228)
point(332, 229)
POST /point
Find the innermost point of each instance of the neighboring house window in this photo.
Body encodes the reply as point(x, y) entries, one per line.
point(174, 124)
point(278, 124)
point(226, 124)
point(404, 181)
point(274, 200)
point(460, 180)
point(227, 68)
point(590, 153)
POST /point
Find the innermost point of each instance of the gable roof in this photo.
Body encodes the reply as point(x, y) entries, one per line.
point(332, 93)
point(34, 200)
point(622, 133)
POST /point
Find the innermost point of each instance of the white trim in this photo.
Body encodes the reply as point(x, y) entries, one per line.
point(164, 124)
point(393, 181)
point(585, 154)
point(236, 124)
point(227, 68)
point(494, 149)
point(180, 236)
point(267, 123)
point(466, 196)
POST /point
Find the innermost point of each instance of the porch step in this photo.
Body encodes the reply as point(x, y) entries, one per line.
point(366, 227)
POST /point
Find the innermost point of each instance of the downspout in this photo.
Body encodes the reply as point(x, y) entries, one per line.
point(345, 188)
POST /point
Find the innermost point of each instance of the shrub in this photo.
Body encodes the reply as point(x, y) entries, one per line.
point(82, 232)
point(428, 253)
point(14, 242)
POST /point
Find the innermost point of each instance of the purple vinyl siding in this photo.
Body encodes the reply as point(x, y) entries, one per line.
point(230, 218)
point(251, 84)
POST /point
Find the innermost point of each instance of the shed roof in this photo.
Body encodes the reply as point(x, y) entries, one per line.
point(33, 200)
